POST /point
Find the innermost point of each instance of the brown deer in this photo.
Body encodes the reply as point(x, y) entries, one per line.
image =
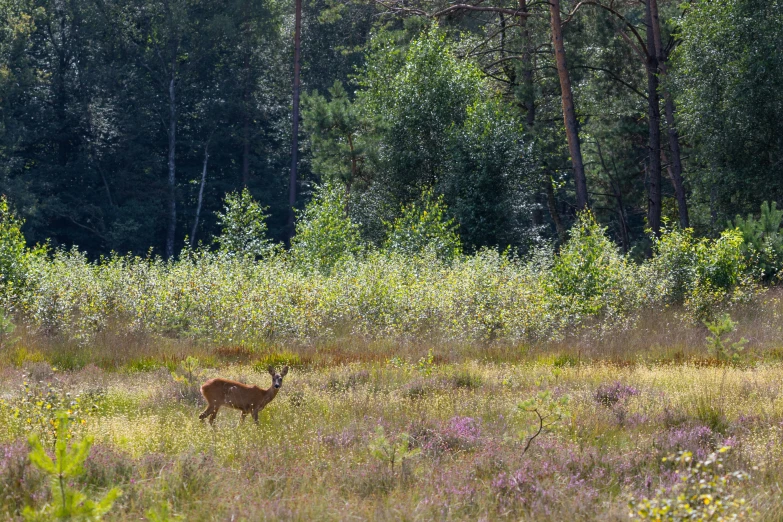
point(243, 397)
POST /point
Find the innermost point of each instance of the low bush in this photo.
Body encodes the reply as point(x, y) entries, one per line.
point(329, 286)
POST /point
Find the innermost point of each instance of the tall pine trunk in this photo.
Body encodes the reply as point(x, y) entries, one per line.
point(172, 181)
point(674, 138)
point(200, 195)
point(569, 113)
point(654, 200)
point(528, 68)
point(295, 118)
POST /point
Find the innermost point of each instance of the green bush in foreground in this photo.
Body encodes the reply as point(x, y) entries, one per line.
point(67, 503)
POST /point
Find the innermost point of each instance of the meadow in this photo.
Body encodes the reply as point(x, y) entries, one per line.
point(580, 384)
point(414, 431)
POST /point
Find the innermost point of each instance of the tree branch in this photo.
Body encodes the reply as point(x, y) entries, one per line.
point(617, 14)
point(613, 76)
point(396, 7)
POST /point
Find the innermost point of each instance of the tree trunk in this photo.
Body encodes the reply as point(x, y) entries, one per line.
point(618, 195)
point(654, 202)
point(246, 104)
point(295, 118)
point(674, 138)
point(172, 225)
point(527, 67)
point(676, 159)
point(529, 99)
point(200, 195)
point(569, 113)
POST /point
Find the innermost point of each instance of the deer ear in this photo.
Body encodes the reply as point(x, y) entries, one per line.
point(285, 371)
point(271, 371)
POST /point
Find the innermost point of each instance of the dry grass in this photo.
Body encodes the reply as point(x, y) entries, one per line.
point(634, 397)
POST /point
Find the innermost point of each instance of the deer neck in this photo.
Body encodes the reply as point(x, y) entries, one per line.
point(271, 393)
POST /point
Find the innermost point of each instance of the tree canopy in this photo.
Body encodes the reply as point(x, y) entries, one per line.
point(124, 125)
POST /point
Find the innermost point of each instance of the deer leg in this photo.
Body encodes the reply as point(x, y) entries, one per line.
point(242, 417)
point(255, 416)
point(213, 415)
point(206, 413)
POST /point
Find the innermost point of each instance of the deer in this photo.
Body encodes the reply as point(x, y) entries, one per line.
point(244, 397)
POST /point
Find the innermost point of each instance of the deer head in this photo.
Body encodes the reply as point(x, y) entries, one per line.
point(277, 378)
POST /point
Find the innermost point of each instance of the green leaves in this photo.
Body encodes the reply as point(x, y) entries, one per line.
point(244, 231)
point(763, 240)
point(15, 257)
point(392, 452)
point(337, 130)
point(702, 273)
point(68, 463)
point(437, 124)
point(423, 226)
point(591, 277)
point(728, 76)
point(325, 234)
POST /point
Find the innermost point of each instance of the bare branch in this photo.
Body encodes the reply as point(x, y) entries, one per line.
point(614, 77)
point(397, 7)
point(610, 8)
point(536, 434)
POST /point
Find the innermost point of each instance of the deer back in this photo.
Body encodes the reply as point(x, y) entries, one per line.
point(232, 393)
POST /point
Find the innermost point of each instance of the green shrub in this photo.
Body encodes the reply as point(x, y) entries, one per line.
point(67, 502)
point(762, 240)
point(701, 273)
point(423, 226)
point(323, 290)
point(325, 234)
point(244, 226)
point(15, 257)
point(590, 277)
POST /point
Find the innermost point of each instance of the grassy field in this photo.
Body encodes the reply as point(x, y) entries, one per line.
point(378, 430)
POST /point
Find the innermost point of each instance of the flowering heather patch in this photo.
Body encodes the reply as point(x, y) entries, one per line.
point(699, 440)
point(457, 434)
point(20, 482)
point(611, 394)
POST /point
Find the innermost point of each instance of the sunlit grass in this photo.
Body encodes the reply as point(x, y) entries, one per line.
point(309, 456)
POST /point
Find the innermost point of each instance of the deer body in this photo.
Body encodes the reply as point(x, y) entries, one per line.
point(244, 397)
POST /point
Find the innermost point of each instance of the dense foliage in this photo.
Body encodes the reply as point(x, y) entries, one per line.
point(125, 124)
point(418, 285)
